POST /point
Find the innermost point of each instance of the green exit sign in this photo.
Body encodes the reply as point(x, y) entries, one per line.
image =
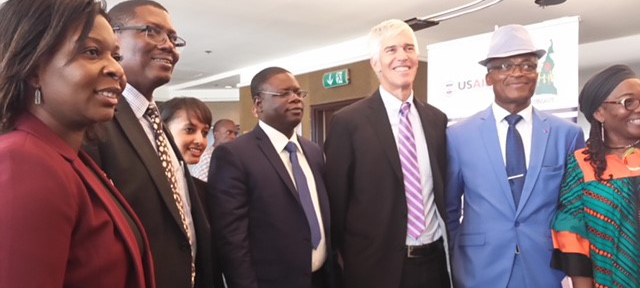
point(335, 78)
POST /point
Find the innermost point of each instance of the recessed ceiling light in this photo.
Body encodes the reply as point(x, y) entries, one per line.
point(228, 86)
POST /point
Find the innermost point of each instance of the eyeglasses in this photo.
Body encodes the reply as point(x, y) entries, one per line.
point(155, 34)
point(628, 103)
point(508, 68)
point(286, 94)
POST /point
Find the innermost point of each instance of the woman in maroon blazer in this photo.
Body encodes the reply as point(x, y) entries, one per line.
point(62, 223)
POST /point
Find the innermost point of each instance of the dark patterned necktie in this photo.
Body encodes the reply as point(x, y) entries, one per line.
point(163, 152)
point(516, 163)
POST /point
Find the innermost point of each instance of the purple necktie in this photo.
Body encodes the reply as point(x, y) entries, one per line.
point(411, 174)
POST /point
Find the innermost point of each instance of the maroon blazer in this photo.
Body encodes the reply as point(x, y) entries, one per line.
point(62, 222)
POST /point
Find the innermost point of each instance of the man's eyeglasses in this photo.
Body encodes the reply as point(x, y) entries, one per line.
point(508, 68)
point(630, 103)
point(286, 94)
point(155, 34)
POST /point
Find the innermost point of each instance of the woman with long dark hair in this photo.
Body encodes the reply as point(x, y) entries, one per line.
point(62, 222)
point(595, 231)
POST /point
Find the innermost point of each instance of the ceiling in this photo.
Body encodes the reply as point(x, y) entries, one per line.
point(242, 33)
point(227, 35)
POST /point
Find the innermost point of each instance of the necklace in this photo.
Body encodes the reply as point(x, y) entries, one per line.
point(625, 159)
point(622, 147)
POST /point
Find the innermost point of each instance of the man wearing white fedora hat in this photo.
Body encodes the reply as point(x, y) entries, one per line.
point(508, 162)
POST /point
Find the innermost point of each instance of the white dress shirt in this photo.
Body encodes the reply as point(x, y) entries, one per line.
point(524, 127)
point(279, 141)
point(139, 105)
point(392, 104)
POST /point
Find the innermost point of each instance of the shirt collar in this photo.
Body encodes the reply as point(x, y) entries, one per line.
point(278, 139)
point(392, 102)
point(136, 100)
point(499, 113)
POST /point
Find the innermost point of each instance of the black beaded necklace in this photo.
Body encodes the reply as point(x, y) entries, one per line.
point(622, 147)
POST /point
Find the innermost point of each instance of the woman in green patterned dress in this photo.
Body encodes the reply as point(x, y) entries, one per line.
point(595, 231)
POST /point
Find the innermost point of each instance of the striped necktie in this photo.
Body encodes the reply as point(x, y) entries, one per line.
point(411, 174)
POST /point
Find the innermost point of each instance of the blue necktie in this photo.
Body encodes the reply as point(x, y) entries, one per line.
point(305, 195)
point(516, 163)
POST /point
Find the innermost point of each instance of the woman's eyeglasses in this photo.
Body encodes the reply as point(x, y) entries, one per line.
point(630, 103)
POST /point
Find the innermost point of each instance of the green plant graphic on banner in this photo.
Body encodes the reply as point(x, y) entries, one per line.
point(546, 80)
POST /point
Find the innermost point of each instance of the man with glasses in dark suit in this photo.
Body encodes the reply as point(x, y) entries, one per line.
point(268, 199)
point(138, 153)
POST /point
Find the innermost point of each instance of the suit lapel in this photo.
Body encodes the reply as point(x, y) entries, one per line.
point(432, 145)
point(141, 144)
point(539, 136)
point(119, 221)
point(272, 156)
point(491, 143)
point(382, 129)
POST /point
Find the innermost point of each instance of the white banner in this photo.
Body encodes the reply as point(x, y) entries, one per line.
point(456, 82)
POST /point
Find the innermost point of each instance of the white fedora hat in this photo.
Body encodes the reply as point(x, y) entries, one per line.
point(510, 40)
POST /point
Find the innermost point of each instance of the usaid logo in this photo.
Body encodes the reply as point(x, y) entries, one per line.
point(453, 87)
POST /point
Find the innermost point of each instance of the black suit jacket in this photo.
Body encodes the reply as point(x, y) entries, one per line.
point(129, 159)
point(262, 232)
point(366, 190)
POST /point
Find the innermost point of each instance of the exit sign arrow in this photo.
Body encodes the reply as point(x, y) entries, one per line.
point(335, 78)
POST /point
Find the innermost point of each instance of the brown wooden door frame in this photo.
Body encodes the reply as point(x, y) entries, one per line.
point(321, 116)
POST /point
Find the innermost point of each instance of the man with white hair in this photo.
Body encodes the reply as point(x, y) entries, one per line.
point(385, 161)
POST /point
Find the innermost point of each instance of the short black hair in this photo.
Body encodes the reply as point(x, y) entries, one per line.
point(125, 11)
point(220, 122)
point(264, 76)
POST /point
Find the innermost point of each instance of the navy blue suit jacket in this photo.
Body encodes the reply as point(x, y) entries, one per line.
point(262, 232)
